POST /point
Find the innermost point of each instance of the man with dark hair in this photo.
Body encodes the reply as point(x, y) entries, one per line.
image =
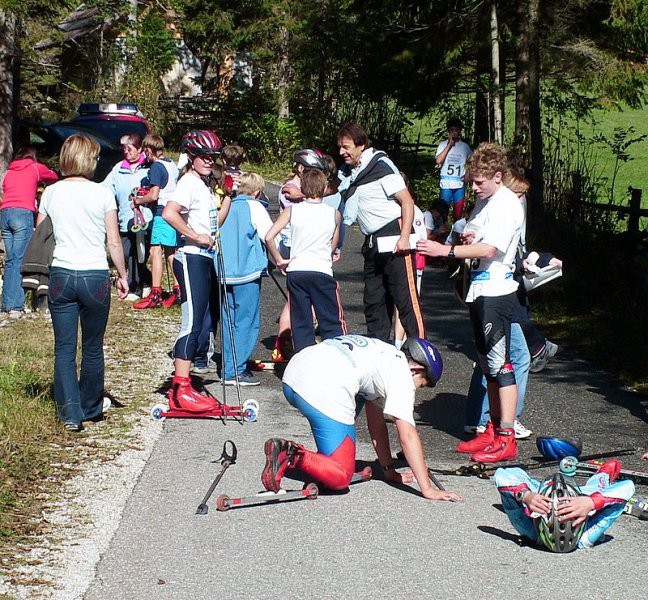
point(451, 156)
point(377, 197)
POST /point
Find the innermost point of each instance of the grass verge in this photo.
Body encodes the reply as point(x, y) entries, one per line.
point(36, 454)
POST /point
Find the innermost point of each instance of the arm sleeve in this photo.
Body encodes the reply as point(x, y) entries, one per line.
point(46, 175)
point(260, 219)
point(158, 175)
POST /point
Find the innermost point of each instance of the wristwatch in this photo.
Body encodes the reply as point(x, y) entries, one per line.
point(519, 495)
point(451, 254)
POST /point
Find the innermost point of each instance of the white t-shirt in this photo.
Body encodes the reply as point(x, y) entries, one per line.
point(373, 204)
point(312, 225)
point(201, 210)
point(330, 375)
point(78, 212)
point(496, 221)
point(166, 193)
point(454, 166)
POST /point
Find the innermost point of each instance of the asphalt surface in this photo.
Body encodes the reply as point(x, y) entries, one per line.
point(376, 541)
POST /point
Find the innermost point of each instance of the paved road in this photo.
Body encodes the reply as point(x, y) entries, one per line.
point(375, 541)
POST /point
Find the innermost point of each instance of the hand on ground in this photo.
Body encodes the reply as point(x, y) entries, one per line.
point(446, 496)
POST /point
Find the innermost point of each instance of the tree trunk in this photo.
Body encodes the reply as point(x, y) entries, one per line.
point(498, 105)
point(283, 74)
point(8, 63)
point(528, 124)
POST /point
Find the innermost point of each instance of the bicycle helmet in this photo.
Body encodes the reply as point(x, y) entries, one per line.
point(200, 142)
point(557, 448)
point(311, 158)
point(424, 353)
point(558, 536)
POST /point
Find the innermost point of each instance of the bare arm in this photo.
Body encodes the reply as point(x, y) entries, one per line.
point(406, 202)
point(478, 250)
point(152, 196)
point(223, 211)
point(273, 232)
point(336, 234)
point(444, 153)
point(292, 192)
point(116, 251)
point(171, 214)
point(40, 217)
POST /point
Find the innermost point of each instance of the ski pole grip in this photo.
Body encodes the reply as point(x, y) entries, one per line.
point(229, 452)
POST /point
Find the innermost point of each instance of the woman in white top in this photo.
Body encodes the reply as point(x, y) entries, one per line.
point(194, 213)
point(83, 214)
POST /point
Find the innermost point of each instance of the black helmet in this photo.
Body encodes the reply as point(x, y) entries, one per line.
point(558, 536)
point(311, 158)
point(200, 142)
point(424, 353)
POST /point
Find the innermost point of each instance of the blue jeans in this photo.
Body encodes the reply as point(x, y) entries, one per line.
point(17, 226)
point(79, 296)
point(477, 409)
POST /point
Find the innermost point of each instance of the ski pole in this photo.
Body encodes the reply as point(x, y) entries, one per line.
point(227, 458)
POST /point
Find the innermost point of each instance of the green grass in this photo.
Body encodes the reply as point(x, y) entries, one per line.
point(631, 173)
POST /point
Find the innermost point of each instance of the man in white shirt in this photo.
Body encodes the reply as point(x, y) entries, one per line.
point(490, 238)
point(377, 197)
point(451, 156)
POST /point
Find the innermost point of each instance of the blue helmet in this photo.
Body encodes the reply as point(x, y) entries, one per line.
point(424, 353)
point(557, 448)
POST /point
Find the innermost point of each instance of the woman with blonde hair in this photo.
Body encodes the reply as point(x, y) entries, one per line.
point(83, 215)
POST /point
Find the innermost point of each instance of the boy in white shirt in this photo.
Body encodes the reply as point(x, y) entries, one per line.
point(490, 238)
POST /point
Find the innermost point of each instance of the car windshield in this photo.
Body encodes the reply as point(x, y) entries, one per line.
point(115, 129)
point(66, 130)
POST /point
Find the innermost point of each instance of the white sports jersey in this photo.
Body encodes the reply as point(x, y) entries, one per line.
point(496, 221)
point(454, 165)
point(330, 375)
point(201, 210)
point(312, 225)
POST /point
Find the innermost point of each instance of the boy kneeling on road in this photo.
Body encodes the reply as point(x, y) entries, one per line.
point(329, 383)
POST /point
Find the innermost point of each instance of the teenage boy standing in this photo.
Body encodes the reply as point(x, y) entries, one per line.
point(490, 238)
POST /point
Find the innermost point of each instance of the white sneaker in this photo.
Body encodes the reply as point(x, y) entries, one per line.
point(551, 348)
point(146, 291)
point(474, 429)
point(131, 297)
point(107, 404)
point(521, 432)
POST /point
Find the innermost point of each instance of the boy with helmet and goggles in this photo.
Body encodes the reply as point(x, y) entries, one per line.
point(329, 383)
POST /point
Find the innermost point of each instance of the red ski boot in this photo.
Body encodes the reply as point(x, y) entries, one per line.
point(173, 299)
point(612, 467)
point(504, 447)
point(283, 348)
point(183, 397)
point(478, 443)
point(153, 300)
point(280, 456)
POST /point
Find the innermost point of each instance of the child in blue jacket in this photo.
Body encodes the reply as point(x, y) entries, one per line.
point(245, 260)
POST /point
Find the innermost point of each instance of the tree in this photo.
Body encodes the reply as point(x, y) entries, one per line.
point(8, 61)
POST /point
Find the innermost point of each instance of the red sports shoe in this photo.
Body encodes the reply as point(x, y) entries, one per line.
point(612, 467)
point(504, 447)
point(182, 396)
point(173, 298)
point(280, 456)
point(153, 300)
point(481, 441)
point(283, 349)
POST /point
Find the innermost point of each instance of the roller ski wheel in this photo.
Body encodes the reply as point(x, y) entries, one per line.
point(250, 411)
point(568, 465)
point(157, 412)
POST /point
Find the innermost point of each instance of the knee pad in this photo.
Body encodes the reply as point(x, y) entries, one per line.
point(506, 375)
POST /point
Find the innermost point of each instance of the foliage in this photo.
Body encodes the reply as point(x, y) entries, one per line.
point(619, 144)
point(270, 137)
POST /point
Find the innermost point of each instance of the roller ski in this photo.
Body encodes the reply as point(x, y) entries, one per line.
point(637, 507)
point(187, 403)
point(139, 221)
point(227, 458)
point(572, 465)
point(310, 492)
